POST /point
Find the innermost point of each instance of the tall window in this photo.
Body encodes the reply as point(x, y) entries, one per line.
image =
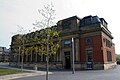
point(52, 58)
point(109, 56)
point(39, 58)
point(89, 55)
point(108, 43)
point(44, 58)
point(67, 43)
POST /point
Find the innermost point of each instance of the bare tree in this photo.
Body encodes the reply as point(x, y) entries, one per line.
point(19, 42)
point(48, 45)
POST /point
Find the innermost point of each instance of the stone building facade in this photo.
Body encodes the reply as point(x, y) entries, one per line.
point(93, 46)
point(4, 54)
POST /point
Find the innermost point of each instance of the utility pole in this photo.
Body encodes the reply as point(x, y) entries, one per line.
point(73, 65)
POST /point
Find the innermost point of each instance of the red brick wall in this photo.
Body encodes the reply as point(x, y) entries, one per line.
point(105, 49)
point(99, 49)
point(113, 53)
point(96, 44)
point(97, 52)
point(82, 50)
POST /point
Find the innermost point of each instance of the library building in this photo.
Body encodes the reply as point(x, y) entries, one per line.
point(87, 40)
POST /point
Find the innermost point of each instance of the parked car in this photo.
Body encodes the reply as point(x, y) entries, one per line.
point(118, 62)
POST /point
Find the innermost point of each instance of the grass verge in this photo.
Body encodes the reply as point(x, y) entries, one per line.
point(5, 71)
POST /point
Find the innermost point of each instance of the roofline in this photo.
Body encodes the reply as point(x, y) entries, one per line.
point(70, 18)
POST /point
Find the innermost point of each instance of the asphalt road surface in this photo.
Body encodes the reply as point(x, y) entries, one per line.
point(111, 74)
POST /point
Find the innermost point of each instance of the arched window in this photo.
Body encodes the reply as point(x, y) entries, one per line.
point(88, 40)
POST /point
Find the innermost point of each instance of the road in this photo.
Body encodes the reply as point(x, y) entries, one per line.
point(111, 74)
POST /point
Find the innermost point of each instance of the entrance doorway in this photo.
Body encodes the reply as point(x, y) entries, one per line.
point(67, 60)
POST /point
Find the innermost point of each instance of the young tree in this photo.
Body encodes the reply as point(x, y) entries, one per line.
point(49, 35)
point(19, 42)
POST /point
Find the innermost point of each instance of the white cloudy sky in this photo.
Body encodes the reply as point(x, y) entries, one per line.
point(25, 12)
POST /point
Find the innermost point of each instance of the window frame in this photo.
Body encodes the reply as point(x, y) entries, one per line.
point(68, 44)
point(109, 56)
point(90, 40)
point(89, 53)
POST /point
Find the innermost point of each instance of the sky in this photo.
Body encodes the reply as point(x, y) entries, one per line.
point(25, 12)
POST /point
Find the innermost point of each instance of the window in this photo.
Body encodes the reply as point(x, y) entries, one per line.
point(44, 58)
point(95, 19)
point(89, 56)
point(108, 43)
point(88, 40)
point(67, 53)
point(39, 58)
point(104, 23)
point(67, 43)
point(52, 58)
point(88, 21)
point(104, 39)
point(66, 25)
point(82, 23)
point(109, 56)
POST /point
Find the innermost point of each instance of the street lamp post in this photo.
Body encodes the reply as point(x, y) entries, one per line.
point(73, 66)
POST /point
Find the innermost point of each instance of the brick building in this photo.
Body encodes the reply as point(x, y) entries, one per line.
point(93, 46)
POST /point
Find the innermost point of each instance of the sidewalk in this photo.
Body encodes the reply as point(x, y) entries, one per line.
point(20, 75)
point(14, 76)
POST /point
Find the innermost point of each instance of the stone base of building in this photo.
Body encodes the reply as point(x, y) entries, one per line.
point(99, 66)
point(82, 66)
point(109, 65)
point(39, 65)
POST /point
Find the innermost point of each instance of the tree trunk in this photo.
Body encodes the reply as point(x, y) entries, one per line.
point(19, 57)
point(31, 56)
point(36, 67)
point(22, 62)
point(47, 67)
point(47, 57)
